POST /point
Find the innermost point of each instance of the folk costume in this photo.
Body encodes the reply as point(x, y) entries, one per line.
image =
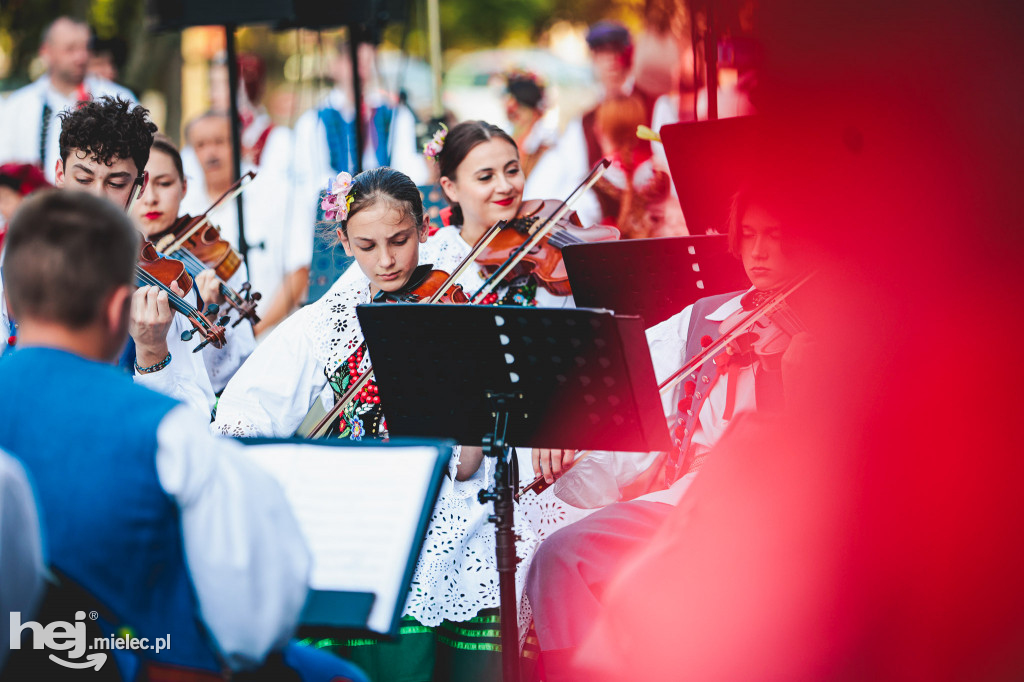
point(327, 136)
point(452, 607)
point(569, 568)
point(170, 528)
point(185, 377)
point(31, 130)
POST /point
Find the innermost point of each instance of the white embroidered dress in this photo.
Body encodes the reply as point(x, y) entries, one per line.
point(456, 574)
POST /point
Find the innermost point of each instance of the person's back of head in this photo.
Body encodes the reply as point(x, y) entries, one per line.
point(67, 254)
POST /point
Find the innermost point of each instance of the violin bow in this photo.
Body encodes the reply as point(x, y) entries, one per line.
point(236, 188)
point(540, 232)
point(137, 185)
point(538, 484)
point(323, 426)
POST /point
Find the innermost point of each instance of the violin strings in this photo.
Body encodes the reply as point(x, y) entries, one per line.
point(189, 259)
point(178, 303)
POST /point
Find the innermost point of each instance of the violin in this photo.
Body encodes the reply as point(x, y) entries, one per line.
point(202, 241)
point(426, 285)
point(205, 248)
point(532, 242)
point(767, 337)
point(743, 322)
point(152, 270)
point(544, 260)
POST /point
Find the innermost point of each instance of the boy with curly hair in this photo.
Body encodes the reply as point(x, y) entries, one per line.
point(104, 148)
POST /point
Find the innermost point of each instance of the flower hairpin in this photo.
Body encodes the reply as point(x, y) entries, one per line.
point(433, 148)
point(337, 203)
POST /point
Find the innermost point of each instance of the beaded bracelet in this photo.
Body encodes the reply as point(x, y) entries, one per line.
point(153, 368)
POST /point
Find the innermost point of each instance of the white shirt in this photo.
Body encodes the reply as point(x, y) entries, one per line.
point(6, 326)
point(270, 394)
point(596, 480)
point(245, 553)
point(561, 169)
point(22, 115)
point(185, 378)
point(223, 362)
point(22, 571)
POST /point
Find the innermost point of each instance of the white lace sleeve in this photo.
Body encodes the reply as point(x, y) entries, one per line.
point(272, 391)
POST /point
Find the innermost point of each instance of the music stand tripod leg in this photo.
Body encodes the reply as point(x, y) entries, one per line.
point(501, 492)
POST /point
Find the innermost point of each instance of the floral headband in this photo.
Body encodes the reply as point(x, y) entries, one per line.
point(433, 148)
point(338, 201)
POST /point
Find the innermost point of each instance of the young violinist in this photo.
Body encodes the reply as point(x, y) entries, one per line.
point(451, 629)
point(156, 215)
point(104, 148)
point(482, 179)
point(570, 566)
point(171, 528)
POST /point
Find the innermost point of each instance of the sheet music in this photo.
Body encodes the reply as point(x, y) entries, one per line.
point(358, 509)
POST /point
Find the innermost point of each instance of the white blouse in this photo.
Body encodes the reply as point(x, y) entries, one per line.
point(456, 575)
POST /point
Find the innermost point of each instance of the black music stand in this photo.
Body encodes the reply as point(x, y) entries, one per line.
point(708, 161)
point(663, 275)
point(506, 376)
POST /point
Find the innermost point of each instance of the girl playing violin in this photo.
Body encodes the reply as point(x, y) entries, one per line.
point(574, 561)
point(155, 215)
point(482, 179)
point(312, 357)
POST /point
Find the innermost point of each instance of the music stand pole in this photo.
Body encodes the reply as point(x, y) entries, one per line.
point(354, 36)
point(531, 377)
point(501, 492)
point(236, 135)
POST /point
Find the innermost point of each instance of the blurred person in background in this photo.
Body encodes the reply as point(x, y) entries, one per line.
point(525, 107)
point(107, 57)
point(17, 181)
point(280, 250)
point(615, 125)
point(31, 127)
point(326, 134)
point(578, 149)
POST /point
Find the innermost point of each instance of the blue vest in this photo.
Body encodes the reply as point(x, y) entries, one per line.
point(87, 436)
point(341, 137)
